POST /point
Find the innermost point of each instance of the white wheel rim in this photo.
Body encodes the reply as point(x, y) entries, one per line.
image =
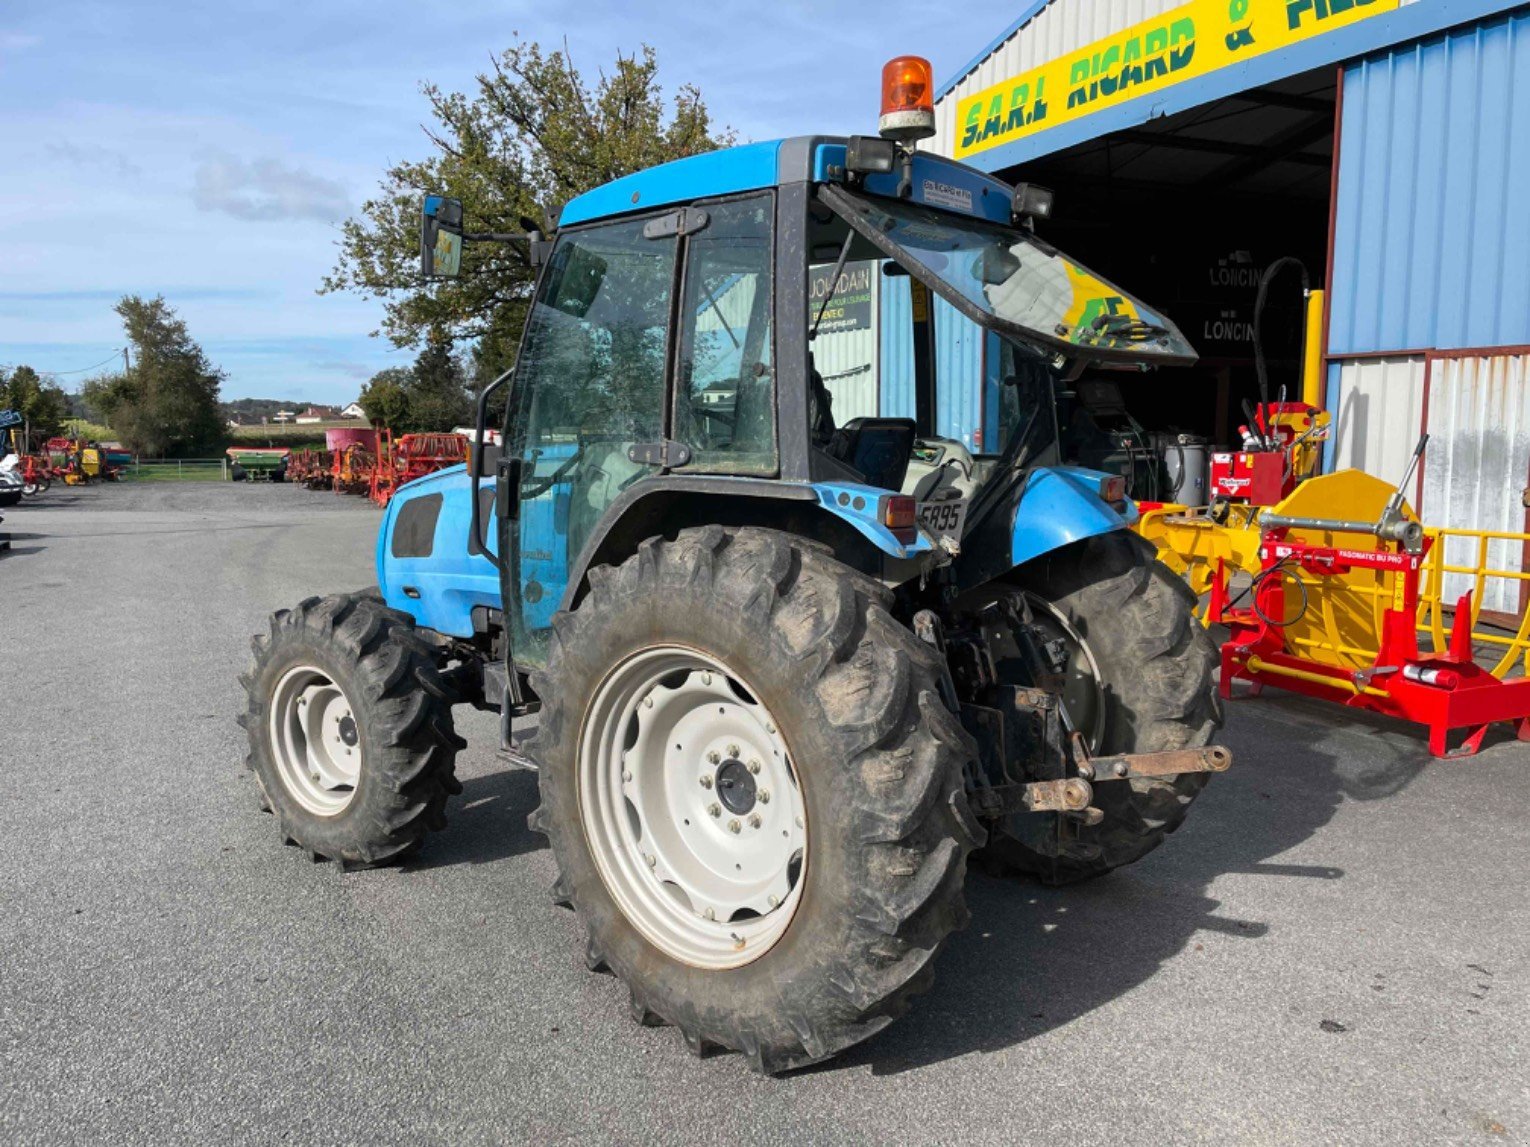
point(315, 740)
point(691, 807)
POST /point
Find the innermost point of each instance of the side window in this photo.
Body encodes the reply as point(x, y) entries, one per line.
point(725, 391)
point(589, 385)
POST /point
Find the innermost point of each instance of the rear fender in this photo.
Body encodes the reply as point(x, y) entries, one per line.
point(1059, 506)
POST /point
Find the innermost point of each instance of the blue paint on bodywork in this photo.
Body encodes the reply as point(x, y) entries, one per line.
point(1061, 505)
point(746, 168)
point(860, 506)
point(937, 182)
point(450, 581)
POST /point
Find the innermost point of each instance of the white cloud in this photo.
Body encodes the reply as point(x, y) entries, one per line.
point(267, 189)
point(18, 41)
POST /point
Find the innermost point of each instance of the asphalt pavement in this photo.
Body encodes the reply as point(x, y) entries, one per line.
point(1335, 949)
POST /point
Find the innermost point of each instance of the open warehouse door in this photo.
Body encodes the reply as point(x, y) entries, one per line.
point(1196, 207)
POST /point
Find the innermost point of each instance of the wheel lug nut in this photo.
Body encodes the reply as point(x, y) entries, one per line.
point(734, 826)
point(714, 809)
point(714, 757)
point(754, 820)
point(732, 750)
point(763, 796)
point(648, 702)
point(799, 822)
point(706, 679)
point(754, 767)
point(649, 859)
point(626, 776)
point(706, 782)
point(710, 914)
point(770, 726)
point(774, 900)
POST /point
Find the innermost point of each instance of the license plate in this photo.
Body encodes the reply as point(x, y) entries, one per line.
point(944, 519)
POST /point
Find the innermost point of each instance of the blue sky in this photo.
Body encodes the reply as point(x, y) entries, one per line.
point(207, 151)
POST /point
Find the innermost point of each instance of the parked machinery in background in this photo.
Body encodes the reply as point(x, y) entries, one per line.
point(257, 463)
point(1330, 589)
point(352, 469)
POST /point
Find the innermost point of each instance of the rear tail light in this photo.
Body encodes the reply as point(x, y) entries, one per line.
point(900, 515)
point(1113, 489)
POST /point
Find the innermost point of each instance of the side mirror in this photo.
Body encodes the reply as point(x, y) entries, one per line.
point(441, 238)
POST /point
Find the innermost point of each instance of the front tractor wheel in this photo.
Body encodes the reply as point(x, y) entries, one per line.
point(753, 792)
point(350, 730)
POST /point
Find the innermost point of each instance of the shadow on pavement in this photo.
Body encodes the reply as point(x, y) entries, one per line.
point(18, 543)
point(1035, 958)
point(486, 822)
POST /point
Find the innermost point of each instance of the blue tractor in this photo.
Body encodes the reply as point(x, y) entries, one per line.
point(792, 653)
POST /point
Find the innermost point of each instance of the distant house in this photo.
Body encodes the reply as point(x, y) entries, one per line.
point(317, 414)
point(353, 411)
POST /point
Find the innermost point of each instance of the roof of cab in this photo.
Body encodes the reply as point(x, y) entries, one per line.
point(747, 167)
point(753, 166)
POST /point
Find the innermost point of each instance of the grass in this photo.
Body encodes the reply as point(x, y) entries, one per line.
point(310, 434)
point(196, 470)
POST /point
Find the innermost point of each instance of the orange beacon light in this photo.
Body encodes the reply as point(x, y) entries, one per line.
point(908, 99)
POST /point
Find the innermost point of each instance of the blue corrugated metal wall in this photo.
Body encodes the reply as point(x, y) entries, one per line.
point(897, 348)
point(1432, 236)
point(958, 375)
point(958, 364)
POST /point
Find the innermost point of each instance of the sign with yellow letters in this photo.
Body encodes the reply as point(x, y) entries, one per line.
point(1192, 40)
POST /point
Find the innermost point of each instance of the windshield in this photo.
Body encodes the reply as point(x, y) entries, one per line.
point(1010, 280)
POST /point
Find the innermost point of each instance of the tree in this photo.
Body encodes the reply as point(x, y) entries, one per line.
point(385, 398)
point(432, 395)
point(535, 134)
point(438, 389)
point(167, 403)
point(43, 404)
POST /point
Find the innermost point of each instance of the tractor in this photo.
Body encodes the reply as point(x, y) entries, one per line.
point(789, 664)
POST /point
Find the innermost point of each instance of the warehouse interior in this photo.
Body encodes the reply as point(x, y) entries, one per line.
point(1240, 182)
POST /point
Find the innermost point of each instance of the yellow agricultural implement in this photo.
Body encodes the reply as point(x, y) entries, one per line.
point(1342, 624)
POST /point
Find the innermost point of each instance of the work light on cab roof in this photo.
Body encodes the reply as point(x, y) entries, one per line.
point(908, 100)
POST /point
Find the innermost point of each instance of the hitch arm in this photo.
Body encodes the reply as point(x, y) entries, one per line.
point(1125, 766)
point(1076, 794)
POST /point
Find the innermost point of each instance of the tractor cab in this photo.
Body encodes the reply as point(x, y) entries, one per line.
point(750, 333)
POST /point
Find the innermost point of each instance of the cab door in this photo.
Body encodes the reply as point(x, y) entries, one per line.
point(591, 383)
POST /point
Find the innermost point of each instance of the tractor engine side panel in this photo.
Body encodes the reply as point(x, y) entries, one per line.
point(425, 563)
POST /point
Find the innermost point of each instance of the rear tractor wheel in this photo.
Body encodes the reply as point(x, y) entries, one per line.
point(350, 730)
point(1139, 678)
point(753, 793)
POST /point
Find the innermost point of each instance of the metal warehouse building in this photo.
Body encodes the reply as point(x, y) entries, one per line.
point(1384, 143)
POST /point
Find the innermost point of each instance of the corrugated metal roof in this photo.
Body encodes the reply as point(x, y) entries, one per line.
point(1432, 241)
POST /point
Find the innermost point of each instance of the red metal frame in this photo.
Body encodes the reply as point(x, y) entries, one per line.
point(1443, 693)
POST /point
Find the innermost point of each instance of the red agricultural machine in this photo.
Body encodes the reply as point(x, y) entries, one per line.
point(413, 456)
point(372, 461)
point(311, 468)
point(352, 468)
